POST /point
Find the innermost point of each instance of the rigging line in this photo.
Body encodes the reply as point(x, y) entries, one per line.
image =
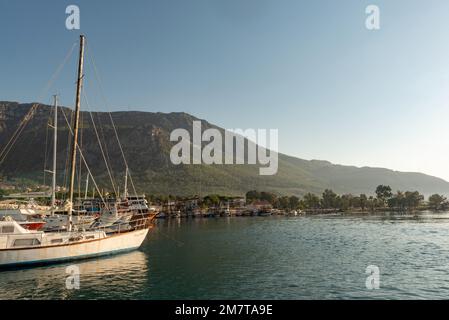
point(13, 137)
point(67, 156)
point(105, 145)
point(19, 130)
point(84, 161)
point(80, 163)
point(46, 148)
point(60, 67)
point(107, 159)
point(32, 109)
point(96, 74)
point(15, 132)
point(97, 77)
point(100, 144)
point(132, 182)
point(50, 124)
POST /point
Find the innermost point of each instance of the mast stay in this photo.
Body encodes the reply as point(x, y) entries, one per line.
point(79, 86)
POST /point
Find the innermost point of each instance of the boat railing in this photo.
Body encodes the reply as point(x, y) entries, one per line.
point(133, 225)
point(122, 227)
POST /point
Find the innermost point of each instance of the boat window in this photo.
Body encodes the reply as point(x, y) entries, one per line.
point(7, 229)
point(26, 242)
point(56, 241)
point(89, 237)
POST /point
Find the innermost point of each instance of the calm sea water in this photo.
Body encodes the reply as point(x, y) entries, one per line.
point(321, 257)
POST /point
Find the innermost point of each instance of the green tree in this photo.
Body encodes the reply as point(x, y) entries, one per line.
point(311, 201)
point(363, 201)
point(437, 201)
point(413, 199)
point(268, 196)
point(284, 202)
point(329, 199)
point(371, 203)
point(252, 196)
point(383, 193)
point(293, 202)
point(397, 201)
point(355, 202)
point(345, 201)
point(212, 200)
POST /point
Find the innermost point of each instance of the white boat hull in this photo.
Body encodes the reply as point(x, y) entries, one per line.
point(77, 250)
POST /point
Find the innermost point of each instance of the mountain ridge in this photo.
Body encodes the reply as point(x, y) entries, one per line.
point(146, 144)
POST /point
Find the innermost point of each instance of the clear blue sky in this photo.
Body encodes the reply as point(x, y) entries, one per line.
point(335, 90)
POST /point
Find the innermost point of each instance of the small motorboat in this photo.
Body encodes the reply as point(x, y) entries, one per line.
point(265, 213)
point(161, 215)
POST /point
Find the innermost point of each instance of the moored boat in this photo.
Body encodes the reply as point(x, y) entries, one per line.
point(19, 246)
point(60, 220)
point(161, 215)
point(32, 225)
point(264, 213)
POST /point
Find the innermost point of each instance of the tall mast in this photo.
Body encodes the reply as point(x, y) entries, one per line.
point(79, 86)
point(55, 148)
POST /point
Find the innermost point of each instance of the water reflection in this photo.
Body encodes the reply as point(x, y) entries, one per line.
point(123, 276)
point(322, 257)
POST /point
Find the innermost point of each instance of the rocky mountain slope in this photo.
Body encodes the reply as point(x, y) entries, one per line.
point(146, 144)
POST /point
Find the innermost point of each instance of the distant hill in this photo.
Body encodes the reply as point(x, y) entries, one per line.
point(146, 144)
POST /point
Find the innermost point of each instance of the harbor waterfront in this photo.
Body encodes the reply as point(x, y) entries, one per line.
point(302, 257)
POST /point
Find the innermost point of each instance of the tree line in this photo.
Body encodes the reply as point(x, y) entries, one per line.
point(383, 198)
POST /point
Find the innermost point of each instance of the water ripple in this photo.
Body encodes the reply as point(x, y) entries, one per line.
point(320, 257)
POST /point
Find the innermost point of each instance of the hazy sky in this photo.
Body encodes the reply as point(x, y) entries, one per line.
point(335, 90)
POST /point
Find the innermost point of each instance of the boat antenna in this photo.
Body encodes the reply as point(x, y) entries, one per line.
point(126, 182)
point(79, 86)
point(87, 186)
point(55, 149)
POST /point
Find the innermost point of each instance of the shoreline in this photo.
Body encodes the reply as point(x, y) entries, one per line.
point(318, 212)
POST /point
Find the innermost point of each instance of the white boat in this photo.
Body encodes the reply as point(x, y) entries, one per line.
point(138, 204)
point(60, 221)
point(21, 209)
point(196, 213)
point(19, 214)
point(176, 214)
point(265, 213)
point(111, 218)
point(227, 212)
point(19, 246)
point(161, 215)
point(27, 218)
point(294, 213)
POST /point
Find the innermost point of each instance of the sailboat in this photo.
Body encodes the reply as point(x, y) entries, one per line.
point(56, 219)
point(19, 246)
